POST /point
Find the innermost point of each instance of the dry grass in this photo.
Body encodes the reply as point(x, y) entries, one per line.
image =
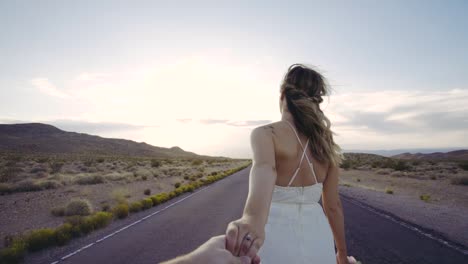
point(30, 191)
point(443, 180)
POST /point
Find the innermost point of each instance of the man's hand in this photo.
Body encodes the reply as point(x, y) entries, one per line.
point(212, 251)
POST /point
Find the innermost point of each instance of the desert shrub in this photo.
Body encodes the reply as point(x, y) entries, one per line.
point(179, 191)
point(213, 173)
point(463, 165)
point(347, 185)
point(120, 194)
point(186, 177)
point(346, 164)
point(37, 169)
point(425, 197)
point(401, 165)
point(191, 187)
point(144, 177)
point(79, 225)
point(49, 184)
point(5, 188)
point(155, 163)
point(105, 207)
point(177, 184)
point(416, 162)
point(100, 219)
point(433, 177)
point(159, 198)
point(42, 159)
point(121, 210)
point(136, 206)
point(100, 160)
point(146, 203)
point(88, 162)
point(58, 211)
point(78, 207)
point(56, 167)
point(172, 194)
point(9, 172)
point(358, 180)
point(197, 162)
point(89, 179)
point(117, 176)
point(193, 178)
point(385, 171)
point(86, 224)
point(388, 190)
point(461, 180)
point(63, 234)
point(147, 192)
point(13, 253)
point(40, 239)
point(27, 185)
point(396, 174)
point(375, 164)
point(387, 163)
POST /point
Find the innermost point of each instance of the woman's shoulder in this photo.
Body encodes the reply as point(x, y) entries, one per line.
point(269, 128)
point(272, 130)
point(271, 125)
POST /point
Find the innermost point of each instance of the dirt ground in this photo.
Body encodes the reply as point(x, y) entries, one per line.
point(25, 210)
point(424, 195)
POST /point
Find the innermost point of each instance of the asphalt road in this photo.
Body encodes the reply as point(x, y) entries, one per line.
point(371, 237)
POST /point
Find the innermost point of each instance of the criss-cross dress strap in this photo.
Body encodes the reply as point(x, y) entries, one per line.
point(303, 154)
point(298, 167)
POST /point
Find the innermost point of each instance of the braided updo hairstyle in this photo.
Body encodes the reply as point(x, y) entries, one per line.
point(303, 89)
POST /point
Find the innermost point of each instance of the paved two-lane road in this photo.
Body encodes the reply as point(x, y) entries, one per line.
point(183, 226)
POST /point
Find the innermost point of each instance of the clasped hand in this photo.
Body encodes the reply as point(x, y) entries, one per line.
point(244, 239)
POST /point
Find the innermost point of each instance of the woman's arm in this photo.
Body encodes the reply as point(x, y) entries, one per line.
point(261, 184)
point(333, 209)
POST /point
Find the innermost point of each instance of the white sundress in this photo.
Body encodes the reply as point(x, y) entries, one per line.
point(297, 230)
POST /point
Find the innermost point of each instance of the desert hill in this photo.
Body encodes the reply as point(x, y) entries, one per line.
point(31, 138)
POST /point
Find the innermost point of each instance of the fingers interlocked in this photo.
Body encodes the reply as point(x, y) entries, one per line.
point(241, 240)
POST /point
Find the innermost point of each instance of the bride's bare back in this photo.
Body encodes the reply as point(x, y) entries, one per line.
point(288, 153)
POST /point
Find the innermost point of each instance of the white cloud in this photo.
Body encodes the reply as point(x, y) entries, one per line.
point(391, 119)
point(237, 96)
point(48, 88)
point(88, 77)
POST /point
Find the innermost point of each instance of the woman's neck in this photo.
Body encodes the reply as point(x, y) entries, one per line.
point(287, 116)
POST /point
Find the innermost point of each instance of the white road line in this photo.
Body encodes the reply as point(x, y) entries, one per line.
point(129, 225)
point(411, 227)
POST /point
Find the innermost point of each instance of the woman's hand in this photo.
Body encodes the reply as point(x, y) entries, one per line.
point(342, 258)
point(243, 238)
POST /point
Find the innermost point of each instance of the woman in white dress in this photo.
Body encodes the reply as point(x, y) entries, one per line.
point(295, 163)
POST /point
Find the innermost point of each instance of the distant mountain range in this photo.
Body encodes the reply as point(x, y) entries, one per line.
point(451, 155)
point(47, 139)
point(393, 152)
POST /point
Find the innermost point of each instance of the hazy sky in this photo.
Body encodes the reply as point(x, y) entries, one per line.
point(201, 75)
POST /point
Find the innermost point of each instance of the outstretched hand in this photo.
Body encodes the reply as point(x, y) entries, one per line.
point(212, 251)
point(242, 239)
point(344, 259)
